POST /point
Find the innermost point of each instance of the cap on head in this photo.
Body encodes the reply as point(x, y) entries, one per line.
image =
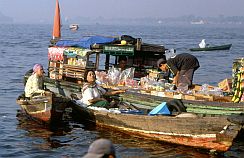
point(161, 61)
point(99, 148)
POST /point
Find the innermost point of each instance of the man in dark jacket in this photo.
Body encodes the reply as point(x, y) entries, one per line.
point(182, 66)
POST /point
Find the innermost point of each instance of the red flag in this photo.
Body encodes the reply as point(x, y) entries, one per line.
point(56, 23)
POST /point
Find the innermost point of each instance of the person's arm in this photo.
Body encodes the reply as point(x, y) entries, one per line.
point(176, 78)
point(94, 100)
point(114, 92)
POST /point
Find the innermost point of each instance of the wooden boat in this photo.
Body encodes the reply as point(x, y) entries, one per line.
point(212, 48)
point(219, 107)
point(74, 26)
point(47, 110)
point(205, 132)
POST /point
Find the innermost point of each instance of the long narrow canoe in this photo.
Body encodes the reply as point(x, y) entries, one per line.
point(200, 107)
point(205, 132)
point(212, 48)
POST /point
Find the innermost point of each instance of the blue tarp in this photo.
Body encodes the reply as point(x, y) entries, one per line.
point(85, 42)
point(160, 109)
point(135, 112)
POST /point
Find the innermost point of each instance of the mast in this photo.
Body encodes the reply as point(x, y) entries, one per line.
point(56, 23)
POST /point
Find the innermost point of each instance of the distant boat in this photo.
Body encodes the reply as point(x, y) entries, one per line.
point(197, 22)
point(212, 48)
point(74, 26)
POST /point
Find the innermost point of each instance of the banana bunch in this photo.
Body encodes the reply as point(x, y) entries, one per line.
point(238, 85)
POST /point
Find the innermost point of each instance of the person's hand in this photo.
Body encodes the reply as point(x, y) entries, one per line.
point(102, 99)
point(175, 81)
point(43, 93)
point(47, 92)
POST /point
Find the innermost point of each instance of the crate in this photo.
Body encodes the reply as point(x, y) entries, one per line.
point(55, 69)
point(189, 97)
point(73, 71)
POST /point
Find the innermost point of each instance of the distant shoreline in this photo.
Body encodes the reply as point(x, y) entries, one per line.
point(182, 20)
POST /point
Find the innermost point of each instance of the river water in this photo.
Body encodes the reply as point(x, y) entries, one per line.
point(21, 46)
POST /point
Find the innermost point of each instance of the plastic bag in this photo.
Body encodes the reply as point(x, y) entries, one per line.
point(113, 76)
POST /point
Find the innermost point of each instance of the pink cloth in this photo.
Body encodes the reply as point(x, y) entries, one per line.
point(56, 53)
point(36, 67)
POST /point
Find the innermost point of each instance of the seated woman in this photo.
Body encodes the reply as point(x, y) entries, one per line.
point(34, 84)
point(93, 94)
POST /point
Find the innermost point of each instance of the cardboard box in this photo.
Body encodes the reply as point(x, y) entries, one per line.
point(222, 98)
point(203, 97)
point(196, 87)
point(189, 97)
point(169, 94)
point(225, 85)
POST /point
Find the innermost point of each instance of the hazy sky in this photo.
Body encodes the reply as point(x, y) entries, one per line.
point(43, 10)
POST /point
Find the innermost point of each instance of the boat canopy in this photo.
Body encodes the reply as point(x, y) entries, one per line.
point(85, 42)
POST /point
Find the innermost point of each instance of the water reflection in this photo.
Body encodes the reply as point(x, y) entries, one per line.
point(142, 147)
point(45, 137)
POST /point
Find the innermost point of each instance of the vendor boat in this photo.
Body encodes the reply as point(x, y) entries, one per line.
point(213, 48)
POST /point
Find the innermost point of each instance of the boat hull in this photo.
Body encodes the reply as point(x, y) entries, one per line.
point(211, 133)
point(46, 110)
point(223, 47)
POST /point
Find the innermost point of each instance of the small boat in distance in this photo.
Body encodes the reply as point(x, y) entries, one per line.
point(74, 26)
point(197, 22)
point(212, 48)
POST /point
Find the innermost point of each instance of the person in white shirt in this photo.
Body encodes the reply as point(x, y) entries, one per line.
point(93, 94)
point(202, 44)
point(34, 84)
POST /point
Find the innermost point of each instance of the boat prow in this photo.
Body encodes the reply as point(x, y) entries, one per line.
point(47, 110)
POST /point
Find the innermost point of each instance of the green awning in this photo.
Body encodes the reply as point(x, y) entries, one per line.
point(118, 50)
